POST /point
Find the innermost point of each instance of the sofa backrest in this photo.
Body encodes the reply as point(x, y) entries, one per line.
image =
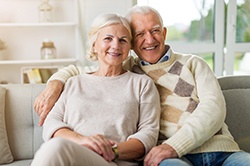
point(236, 90)
point(24, 134)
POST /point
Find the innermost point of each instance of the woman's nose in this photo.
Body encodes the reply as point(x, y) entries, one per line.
point(115, 44)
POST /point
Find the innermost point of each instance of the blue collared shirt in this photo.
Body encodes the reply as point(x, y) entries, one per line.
point(163, 59)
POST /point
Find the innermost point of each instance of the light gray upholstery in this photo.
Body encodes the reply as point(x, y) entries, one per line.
point(25, 137)
point(236, 90)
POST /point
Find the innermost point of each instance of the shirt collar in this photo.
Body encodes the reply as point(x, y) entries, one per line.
point(164, 58)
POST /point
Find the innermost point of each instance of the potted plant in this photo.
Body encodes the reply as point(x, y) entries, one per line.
point(3, 47)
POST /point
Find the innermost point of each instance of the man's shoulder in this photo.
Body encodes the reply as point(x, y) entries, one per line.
point(140, 77)
point(184, 57)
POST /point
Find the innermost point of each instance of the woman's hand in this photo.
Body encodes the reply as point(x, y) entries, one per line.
point(101, 145)
point(98, 143)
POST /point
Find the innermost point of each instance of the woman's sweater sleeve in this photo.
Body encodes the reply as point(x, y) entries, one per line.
point(148, 125)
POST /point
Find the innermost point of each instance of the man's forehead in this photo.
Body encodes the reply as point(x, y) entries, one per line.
point(141, 28)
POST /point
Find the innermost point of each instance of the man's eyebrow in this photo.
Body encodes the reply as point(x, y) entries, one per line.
point(136, 32)
point(156, 26)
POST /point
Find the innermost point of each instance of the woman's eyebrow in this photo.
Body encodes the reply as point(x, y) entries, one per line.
point(119, 37)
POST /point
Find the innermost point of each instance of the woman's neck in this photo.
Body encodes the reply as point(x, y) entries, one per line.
point(109, 72)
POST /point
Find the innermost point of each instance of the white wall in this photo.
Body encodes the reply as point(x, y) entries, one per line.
point(23, 35)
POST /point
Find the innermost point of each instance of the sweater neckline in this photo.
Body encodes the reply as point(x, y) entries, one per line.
point(108, 77)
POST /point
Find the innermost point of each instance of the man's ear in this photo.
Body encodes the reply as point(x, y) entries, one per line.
point(165, 31)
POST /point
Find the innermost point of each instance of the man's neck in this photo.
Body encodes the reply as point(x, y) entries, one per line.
point(165, 56)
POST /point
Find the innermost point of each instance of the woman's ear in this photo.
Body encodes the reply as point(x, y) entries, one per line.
point(93, 48)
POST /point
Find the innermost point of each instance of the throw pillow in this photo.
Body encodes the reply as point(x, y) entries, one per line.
point(5, 153)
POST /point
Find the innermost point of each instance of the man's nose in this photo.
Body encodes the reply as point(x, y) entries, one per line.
point(149, 38)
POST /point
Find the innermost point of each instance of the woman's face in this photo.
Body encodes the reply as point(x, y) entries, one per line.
point(112, 45)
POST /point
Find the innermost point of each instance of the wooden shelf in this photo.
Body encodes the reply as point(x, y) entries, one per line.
point(50, 24)
point(23, 34)
point(32, 62)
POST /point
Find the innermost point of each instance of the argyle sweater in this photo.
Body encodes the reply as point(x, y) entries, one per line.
point(192, 104)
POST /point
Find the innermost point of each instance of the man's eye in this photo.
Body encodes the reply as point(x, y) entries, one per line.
point(155, 31)
point(139, 35)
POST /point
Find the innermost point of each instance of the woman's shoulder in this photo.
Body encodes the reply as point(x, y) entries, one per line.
point(142, 77)
point(76, 79)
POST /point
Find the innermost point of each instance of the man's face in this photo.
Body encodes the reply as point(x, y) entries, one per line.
point(148, 37)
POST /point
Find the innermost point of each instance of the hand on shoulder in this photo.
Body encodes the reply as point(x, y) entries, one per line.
point(47, 98)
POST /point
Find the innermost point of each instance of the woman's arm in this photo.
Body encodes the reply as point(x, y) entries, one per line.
point(131, 149)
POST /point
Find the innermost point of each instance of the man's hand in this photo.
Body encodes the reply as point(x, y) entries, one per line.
point(47, 98)
point(158, 154)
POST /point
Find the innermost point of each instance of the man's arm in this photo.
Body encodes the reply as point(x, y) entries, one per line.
point(208, 116)
point(47, 98)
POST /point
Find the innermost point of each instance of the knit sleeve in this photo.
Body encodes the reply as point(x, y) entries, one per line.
point(208, 117)
point(148, 125)
point(55, 118)
point(65, 73)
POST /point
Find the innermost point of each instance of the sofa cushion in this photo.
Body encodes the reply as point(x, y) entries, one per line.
point(24, 134)
point(5, 153)
point(238, 113)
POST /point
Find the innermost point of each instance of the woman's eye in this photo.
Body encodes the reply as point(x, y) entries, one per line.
point(123, 41)
point(107, 38)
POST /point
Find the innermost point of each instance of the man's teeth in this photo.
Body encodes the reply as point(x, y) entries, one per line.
point(149, 48)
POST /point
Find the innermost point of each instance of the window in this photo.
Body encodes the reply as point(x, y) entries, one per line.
point(200, 27)
point(191, 21)
point(238, 38)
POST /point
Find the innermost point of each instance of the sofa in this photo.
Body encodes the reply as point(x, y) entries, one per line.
point(20, 136)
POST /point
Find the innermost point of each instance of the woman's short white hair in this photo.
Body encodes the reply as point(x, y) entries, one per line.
point(142, 10)
point(100, 22)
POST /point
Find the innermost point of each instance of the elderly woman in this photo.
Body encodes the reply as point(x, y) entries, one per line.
point(109, 117)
